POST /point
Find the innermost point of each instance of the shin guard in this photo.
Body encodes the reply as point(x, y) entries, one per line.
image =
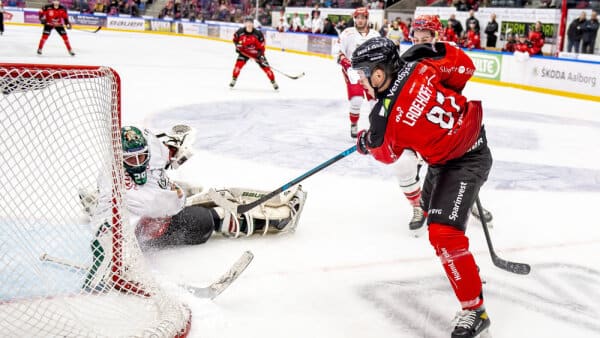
point(452, 247)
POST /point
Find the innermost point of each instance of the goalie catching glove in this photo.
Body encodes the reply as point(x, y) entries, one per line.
point(280, 213)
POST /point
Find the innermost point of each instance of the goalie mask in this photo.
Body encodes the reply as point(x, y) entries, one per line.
point(135, 153)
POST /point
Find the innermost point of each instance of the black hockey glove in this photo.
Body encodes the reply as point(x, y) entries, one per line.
point(262, 60)
point(43, 21)
point(69, 26)
point(361, 142)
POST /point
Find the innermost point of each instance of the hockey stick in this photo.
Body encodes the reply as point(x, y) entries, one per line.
point(211, 291)
point(216, 288)
point(88, 31)
point(518, 268)
point(293, 77)
point(236, 209)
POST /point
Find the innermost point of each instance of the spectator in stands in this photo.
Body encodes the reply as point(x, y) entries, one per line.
point(395, 33)
point(473, 40)
point(575, 33)
point(449, 34)
point(455, 25)
point(461, 6)
point(490, 31)
point(590, 32)
point(328, 28)
point(99, 6)
point(297, 23)
point(341, 25)
point(536, 39)
point(385, 27)
point(511, 42)
point(283, 26)
point(522, 44)
point(113, 8)
point(315, 10)
point(472, 19)
point(316, 23)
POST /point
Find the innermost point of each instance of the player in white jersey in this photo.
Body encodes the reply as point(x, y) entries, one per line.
point(171, 213)
point(350, 39)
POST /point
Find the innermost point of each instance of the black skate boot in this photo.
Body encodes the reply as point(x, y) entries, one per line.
point(39, 51)
point(487, 216)
point(72, 52)
point(353, 130)
point(416, 223)
point(232, 83)
point(471, 324)
point(275, 85)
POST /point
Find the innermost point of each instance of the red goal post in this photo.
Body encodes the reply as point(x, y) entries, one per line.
point(60, 135)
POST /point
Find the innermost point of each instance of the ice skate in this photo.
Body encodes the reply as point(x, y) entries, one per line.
point(39, 52)
point(471, 324)
point(232, 83)
point(353, 130)
point(487, 216)
point(275, 85)
point(416, 223)
point(72, 53)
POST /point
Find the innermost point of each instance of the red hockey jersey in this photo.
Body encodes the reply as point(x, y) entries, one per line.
point(251, 44)
point(418, 112)
point(54, 16)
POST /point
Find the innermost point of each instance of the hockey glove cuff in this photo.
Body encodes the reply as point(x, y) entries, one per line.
point(361, 142)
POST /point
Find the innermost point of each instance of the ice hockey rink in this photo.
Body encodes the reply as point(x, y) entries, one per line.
point(352, 269)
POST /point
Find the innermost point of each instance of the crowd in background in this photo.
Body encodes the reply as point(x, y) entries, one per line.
point(581, 33)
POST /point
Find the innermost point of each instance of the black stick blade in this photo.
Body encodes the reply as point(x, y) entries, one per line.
point(518, 268)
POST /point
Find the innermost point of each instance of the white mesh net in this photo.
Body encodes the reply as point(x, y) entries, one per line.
point(60, 273)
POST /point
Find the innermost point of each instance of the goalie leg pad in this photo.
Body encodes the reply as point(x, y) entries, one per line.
point(280, 213)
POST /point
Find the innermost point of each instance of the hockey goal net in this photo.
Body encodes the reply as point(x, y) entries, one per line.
point(63, 273)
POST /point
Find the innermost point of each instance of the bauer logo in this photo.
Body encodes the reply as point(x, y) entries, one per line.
point(126, 24)
point(487, 66)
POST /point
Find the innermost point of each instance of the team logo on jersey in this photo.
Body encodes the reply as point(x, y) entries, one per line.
point(163, 181)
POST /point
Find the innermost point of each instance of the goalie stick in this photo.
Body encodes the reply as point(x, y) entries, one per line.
point(236, 209)
point(216, 288)
point(211, 291)
point(518, 268)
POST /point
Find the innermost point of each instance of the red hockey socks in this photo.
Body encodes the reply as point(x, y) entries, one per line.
point(354, 118)
point(414, 197)
point(239, 64)
point(66, 40)
point(43, 40)
point(452, 247)
point(269, 73)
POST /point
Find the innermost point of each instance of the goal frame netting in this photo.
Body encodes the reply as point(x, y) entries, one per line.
point(97, 283)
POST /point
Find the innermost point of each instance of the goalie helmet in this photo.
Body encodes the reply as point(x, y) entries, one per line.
point(136, 154)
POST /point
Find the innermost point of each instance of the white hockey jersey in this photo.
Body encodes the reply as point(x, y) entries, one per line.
point(157, 200)
point(350, 39)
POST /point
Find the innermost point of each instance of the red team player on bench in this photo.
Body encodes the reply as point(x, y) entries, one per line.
point(54, 16)
point(250, 44)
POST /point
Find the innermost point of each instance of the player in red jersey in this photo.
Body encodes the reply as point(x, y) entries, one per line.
point(537, 39)
point(416, 111)
point(250, 44)
point(54, 16)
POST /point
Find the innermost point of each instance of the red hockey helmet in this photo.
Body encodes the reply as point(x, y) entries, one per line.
point(361, 11)
point(429, 23)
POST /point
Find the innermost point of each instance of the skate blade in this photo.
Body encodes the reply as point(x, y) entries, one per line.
point(485, 334)
point(418, 232)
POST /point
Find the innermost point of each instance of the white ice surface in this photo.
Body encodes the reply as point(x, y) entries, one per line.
point(352, 269)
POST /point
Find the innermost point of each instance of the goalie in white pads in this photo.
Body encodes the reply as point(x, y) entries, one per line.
point(173, 213)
